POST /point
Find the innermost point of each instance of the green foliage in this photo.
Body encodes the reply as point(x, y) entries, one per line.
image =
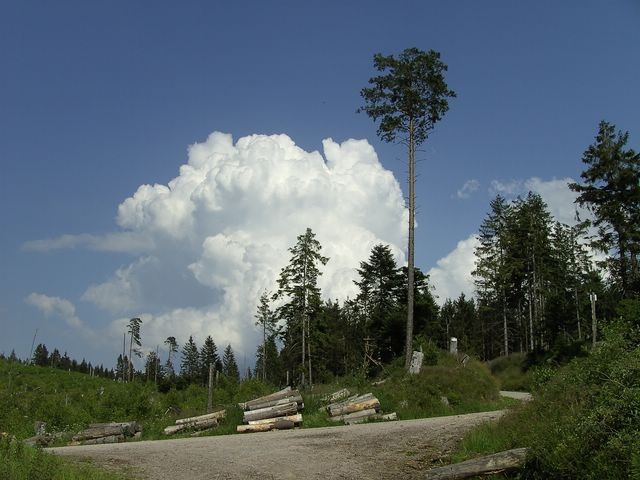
point(612, 192)
point(19, 462)
point(585, 421)
point(298, 288)
point(412, 95)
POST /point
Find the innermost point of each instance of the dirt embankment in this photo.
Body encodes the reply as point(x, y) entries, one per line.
point(371, 451)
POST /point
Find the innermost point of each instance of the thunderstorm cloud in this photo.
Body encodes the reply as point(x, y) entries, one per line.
point(210, 241)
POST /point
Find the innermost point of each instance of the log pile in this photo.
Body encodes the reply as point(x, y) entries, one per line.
point(113, 432)
point(357, 409)
point(277, 411)
point(199, 423)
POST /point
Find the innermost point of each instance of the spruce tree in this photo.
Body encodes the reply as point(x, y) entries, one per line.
point(611, 191)
point(229, 365)
point(189, 367)
point(40, 355)
point(172, 347)
point(208, 356)
point(298, 287)
point(267, 322)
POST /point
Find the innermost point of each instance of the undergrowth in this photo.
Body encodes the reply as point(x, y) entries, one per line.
point(584, 422)
point(19, 462)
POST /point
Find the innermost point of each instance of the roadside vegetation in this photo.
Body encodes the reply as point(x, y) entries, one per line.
point(69, 401)
point(20, 462)
point(584, 422)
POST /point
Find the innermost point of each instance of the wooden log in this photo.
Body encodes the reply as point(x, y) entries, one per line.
point(255, 428)
point(297, 418)
point(356, 407)
point(217, 415)
point(375, 416)
point(335, 396)
point(347, 401)
point(388, 416)
point(131, 426)
point(363, 415)
point(270, 412)
point(341, 402)
point(198, 425)
point(103, 440)
point(281, 401)
point(103, 431)
point(284, 425)
point(496, 463)
point(285, 392)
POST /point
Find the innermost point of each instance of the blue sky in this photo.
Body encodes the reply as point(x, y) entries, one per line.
point(99, 98)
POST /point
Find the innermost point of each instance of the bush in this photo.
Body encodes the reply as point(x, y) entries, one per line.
point(585, 421)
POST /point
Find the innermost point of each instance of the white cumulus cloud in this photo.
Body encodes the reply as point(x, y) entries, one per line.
point(55, 306)
point(217, 235)
point(468, 188)
point(452, 273)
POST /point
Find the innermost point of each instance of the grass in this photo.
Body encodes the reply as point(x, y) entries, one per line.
point(19, 462)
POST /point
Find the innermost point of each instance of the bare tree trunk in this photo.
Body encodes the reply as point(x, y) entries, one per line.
point(530, 322)
point(210, 390)
point(264, 350)
point(578, 313)
point(410, 260)
point(129, 377)
point(309, 357)
point(504, 324)
point(124, 346)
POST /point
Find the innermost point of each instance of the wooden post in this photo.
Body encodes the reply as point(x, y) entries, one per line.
point(287, 377)
point(210, 397)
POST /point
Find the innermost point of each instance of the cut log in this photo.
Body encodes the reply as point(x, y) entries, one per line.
point(255, 428)
point(271, 412)
point(103, 440)
point(388, 416)
point(297, 418)
point(199, 425)
point(362, 415)
point(217, 415)
point(347, 401)
point(364, 418)
point(335, 396)
point(281, 401)
point(285, 392)
point(284, 425)
point(496, 463)
point(106, 430)
point(129, 426)
point(356, 407)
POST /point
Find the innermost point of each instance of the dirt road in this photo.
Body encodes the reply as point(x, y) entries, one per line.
point(389, 450)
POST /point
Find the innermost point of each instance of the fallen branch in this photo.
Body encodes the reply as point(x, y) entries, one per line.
point(496, 463)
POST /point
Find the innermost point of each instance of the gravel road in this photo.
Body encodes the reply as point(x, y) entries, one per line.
point(388, 450)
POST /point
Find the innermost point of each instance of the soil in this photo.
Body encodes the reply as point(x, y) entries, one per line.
point(390, 450)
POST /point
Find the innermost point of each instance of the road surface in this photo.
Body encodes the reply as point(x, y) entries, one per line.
point(389, 450)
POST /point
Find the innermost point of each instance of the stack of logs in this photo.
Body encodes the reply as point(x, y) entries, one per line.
point(114, 432)
point(356, 409)
point(201, 423)
point(278, 411)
